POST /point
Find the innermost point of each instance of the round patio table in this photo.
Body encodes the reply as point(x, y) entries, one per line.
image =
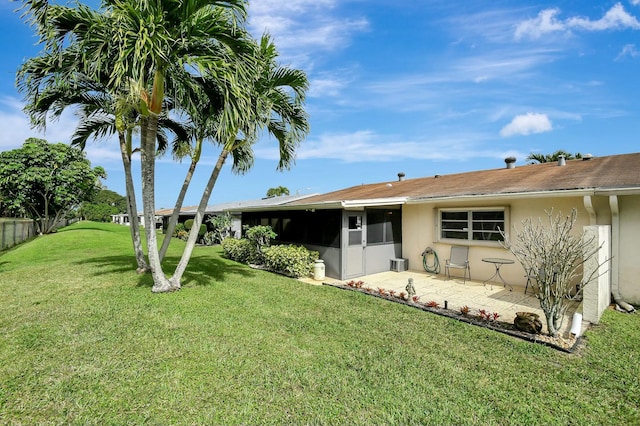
point(497, 262)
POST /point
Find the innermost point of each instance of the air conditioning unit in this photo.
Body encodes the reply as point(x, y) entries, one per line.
point(399, 265)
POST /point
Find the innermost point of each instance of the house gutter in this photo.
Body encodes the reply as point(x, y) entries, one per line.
point(374, 202)
point(617, 191)
point(615, 258)
point(505, 196)
point(583, 192)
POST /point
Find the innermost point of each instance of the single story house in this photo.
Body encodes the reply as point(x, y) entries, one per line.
point(360, 230)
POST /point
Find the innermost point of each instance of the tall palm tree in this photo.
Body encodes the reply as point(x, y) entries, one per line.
point(154, 43)
point(278, 95)
point(158, 39)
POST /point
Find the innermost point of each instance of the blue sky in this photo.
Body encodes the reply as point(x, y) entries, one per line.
point(423, 87)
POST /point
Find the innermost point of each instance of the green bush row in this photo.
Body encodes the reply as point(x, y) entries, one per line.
point(291, 260)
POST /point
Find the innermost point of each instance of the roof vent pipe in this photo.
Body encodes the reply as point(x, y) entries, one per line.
point(511, 162)
point(401, 176)
point(561, 161)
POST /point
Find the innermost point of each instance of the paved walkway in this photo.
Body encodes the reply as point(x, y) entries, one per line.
point(456, 293)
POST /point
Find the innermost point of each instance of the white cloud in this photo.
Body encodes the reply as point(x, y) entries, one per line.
point(616, 18)
point(369, 146)
point(302, 27)
point(16, 128)
point(526, 124)
point(326, 86)
point(544, 23)
point(628, 50)
point(635, 2)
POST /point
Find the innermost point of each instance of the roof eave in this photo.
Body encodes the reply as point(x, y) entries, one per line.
point(325, 205)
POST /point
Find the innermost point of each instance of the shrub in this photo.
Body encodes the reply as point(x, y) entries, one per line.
point(260, 238)
point(221, 225)
point(209, 238)
point(188, 224)
point(294, 261)
point(238, 250)
point(179, 227)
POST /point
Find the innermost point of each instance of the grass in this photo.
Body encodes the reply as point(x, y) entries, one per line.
point(84, 341)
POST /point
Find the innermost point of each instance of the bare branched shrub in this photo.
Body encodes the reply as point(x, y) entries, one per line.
point(554, 256)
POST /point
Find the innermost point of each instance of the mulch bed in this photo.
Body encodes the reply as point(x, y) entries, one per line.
point(568, 345)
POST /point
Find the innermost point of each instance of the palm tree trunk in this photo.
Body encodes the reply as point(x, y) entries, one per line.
point(132, 209)
point(176, 210)
point(148, 144)
point(197, 221)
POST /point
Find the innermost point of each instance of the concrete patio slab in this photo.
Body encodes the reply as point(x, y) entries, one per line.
point(457, 293)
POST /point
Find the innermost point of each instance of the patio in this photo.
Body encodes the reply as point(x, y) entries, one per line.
point(492, 298)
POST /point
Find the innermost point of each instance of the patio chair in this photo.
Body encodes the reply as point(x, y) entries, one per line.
point(458, 259)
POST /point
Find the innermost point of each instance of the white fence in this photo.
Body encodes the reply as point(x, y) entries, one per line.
point(15, 231)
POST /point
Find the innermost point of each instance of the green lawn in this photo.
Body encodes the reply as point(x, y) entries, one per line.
point(84, 341)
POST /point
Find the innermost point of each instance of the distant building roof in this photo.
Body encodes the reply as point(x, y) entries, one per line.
point(238, 205)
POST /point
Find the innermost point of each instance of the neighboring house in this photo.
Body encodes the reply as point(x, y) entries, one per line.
point(358, 230)
point(123, 219)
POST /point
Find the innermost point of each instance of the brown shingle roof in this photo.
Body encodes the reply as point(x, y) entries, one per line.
point(616, 171)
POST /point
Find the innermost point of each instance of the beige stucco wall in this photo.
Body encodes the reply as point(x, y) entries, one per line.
point(628, 254)
point(597, 291)
point(419, 230)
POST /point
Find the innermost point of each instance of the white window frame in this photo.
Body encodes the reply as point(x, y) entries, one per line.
point(469, 240)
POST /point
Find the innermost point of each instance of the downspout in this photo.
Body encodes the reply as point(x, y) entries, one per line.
point(615, 255)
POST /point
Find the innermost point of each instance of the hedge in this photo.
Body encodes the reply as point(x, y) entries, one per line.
point(291, 260)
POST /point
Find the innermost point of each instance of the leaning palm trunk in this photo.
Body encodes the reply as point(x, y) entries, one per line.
point(197, 221)
point(132, 210)
point(176, 209)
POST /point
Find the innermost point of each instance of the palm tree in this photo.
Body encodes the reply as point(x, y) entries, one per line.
point(278, 97)
point(550, 158)
point(157, 41)
point(162, 46)
point(277, 191)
